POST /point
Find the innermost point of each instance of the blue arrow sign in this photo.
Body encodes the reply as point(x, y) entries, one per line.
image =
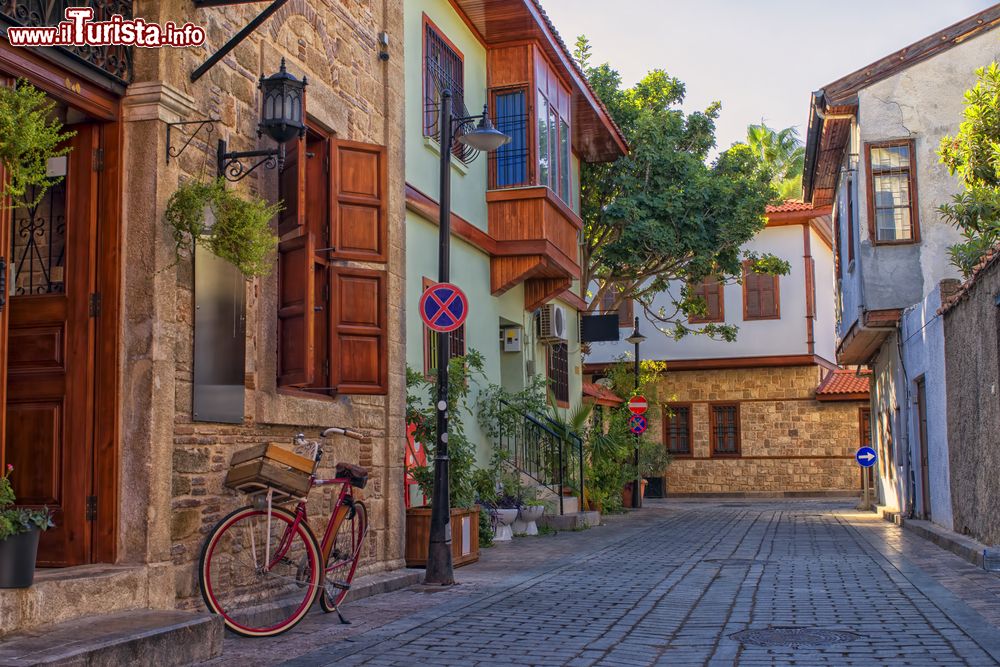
point(637, 424)
point(866, 457)
point(444, 307)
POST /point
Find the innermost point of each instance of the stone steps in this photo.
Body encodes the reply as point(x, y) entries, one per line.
point(138, 637)
point(574, 521)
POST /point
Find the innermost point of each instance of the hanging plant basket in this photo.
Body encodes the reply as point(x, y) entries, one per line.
point(231, 226)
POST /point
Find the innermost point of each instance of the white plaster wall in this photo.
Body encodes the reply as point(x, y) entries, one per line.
point(824, 327)
point(849, 294)
point(923, 355)
point(786, 336)
point(888, 402)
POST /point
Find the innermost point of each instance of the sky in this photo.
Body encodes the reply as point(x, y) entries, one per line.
point(761, 58)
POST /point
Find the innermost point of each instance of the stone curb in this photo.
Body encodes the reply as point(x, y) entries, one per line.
point(960, 545)
point(382, 582)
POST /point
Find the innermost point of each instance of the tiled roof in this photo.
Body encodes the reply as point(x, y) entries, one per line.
point(843, 382)
point(990, 258)
point(790, 206)
point(601, 395)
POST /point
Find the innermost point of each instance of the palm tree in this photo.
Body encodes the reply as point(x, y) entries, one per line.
point(782, 151)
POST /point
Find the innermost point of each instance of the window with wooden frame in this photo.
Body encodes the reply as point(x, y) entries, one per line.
point(625, 310)
point(892, 192)
point(557, 372)
point(713, 292)
point(332, 319)
point(725, 429)
point(554, 144)
point(761, 298)
point(509, 163)
point(444, 69)
point(678, 431)
point(456, 342)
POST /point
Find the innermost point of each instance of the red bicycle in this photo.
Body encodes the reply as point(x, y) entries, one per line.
point(262, 567)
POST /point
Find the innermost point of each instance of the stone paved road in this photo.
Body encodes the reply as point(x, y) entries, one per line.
point(672, 585)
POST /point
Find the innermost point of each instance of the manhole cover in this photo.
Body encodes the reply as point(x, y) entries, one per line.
point(735, 562)
point(793, 637)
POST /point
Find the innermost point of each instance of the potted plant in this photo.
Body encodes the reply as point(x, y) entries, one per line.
point(507, 508)
point(529, 513)
point(20, 528)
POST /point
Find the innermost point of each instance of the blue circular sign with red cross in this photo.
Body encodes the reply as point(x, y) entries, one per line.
point(444, 307)
point(637, 424)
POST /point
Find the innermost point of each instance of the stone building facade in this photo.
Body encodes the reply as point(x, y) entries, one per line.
point(160, 472)
point(972, 361)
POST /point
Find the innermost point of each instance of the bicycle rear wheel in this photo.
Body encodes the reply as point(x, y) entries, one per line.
point(260, 594)
point(344, 557)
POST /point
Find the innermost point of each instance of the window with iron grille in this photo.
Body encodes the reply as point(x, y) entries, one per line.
point(677, 431)
point(725, 426)
point(444, 69)
point(510, 161)
point(712, 291)
point(892, 213)
point(558, 371)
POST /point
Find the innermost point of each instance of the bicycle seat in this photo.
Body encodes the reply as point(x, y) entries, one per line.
point(357, 474)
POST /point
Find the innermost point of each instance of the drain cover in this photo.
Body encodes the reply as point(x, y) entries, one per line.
point(734, 562)
point(793, 637)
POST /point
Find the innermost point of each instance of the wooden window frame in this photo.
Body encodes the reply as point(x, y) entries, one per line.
point(625, 310)
point(709, 319)
point(714, 453)
point(747, 271)
point(430, 339)
point(428, 25)
point(550, 372)
point(912, 177)
point(559, 168)
point(667, 409)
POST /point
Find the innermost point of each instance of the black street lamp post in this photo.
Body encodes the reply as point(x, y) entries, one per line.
point(636, 338)
point(484, 137)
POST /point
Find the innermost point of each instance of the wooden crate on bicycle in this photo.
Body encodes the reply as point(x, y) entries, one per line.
point(270, 466)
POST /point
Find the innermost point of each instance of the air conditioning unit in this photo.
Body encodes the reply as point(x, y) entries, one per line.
point(552, 325)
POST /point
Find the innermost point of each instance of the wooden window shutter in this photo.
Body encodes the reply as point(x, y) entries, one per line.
point(296, 311)
point(359, 337)
point(292, 188)
point(359, 177)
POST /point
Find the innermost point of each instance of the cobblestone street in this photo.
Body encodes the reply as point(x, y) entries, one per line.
point(674, 584)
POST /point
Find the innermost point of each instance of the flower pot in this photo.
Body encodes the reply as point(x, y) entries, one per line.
point(526, 518)
point(505, 517)
point(17, 559)
point(464, 536)
point(642, 488)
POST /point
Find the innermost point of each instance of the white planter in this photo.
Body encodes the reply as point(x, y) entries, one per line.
point(526, 518)
point(504, 519)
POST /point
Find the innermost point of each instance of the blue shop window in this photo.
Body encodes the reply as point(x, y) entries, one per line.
point(511, 160)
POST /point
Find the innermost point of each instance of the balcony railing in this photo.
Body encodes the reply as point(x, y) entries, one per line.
point(113, 61)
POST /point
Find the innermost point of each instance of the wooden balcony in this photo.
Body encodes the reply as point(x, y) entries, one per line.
point(537, 243)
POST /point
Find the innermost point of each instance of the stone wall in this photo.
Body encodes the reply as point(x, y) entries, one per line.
point(173, 468)
point(789, 441)
point(972, 366)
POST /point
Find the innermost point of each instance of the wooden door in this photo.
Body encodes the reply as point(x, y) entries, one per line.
point(50, 343)
point(925, 482)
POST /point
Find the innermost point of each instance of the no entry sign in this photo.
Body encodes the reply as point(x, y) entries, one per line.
point(444, 307)
point(638, 405)
point(637, 424)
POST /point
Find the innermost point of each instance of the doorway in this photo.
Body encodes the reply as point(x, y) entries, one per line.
point(925, 483)
point(49, 338)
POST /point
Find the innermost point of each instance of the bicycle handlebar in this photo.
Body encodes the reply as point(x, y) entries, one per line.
point(336, 430)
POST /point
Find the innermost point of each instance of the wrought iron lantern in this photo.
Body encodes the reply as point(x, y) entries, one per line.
point(282, 118)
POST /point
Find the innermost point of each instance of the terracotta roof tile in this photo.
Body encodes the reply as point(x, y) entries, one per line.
point(841, 382)
point(790, 206)
point(602, 395)
point(990, 258)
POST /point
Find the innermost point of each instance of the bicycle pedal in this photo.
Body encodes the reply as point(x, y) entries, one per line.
point(342, 585)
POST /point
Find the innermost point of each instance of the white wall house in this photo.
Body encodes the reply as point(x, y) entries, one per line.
point(872, 154)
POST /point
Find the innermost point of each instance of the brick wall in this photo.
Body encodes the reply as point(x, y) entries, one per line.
point(788, 440)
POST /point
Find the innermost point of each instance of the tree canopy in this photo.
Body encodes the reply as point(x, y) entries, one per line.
point(974, 155)
point(663, 218)
point(782, 151)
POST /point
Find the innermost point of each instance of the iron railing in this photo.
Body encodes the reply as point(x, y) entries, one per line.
point(113, 60)
point(540, 449)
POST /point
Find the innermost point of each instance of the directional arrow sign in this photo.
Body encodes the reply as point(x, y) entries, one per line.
point(637, 424)
point(866, 457)
point(638, 405)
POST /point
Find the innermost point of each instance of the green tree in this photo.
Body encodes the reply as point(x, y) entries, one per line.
point(782, 151)
point(663, 218)
point(974, 155)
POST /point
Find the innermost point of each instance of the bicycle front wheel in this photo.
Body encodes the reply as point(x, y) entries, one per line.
point(260, 574)
point(344, 557)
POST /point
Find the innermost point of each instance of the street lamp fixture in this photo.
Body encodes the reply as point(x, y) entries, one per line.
point(482, 137)
point(282, 118)
point(636, 339)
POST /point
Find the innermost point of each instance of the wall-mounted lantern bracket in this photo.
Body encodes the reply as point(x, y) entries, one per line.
point(231, 164)
point(238, 37)
point(173, 151)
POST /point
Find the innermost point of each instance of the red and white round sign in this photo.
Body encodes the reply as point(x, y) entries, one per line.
point(637, 405)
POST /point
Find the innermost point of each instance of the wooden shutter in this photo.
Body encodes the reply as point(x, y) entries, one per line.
point(296, 311)
point(359, 183)
point(292, 188)
point(359, 336)
point(760, 295)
